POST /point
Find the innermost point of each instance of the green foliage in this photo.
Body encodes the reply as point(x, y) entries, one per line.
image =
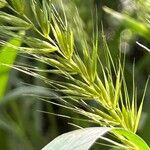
point(83, 139)
point(92, 85)
point(7, 58)
point(134, 141)
point(133, 24)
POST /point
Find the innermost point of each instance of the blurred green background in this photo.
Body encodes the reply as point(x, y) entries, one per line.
point(22, 125)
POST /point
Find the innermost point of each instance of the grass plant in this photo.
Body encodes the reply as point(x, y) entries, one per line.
point(91, 85)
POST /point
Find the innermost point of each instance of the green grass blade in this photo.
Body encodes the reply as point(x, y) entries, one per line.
point(137, 142)
point(134, 25)
point(7, 56)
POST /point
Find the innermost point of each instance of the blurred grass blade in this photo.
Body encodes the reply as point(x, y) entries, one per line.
point(81, 139)
point(7, 56)
point(131, 23)
point(135, 140)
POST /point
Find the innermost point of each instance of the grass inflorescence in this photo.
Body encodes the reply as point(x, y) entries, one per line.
point(92, 86)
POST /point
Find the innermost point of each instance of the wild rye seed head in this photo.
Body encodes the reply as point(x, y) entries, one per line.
point(99, 87)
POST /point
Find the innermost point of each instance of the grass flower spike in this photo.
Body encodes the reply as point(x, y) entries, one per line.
point(89, 85)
